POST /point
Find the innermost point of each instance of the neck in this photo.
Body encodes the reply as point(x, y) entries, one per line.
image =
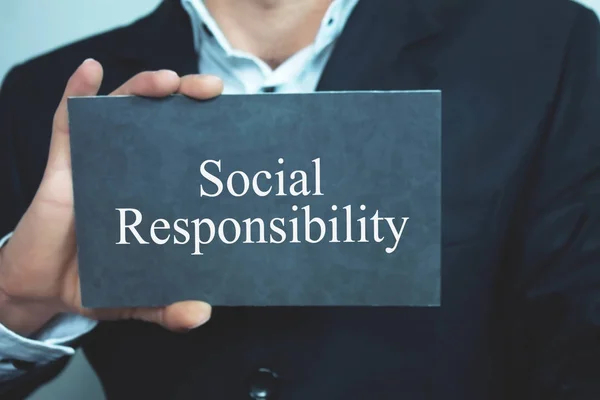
point(272, 30)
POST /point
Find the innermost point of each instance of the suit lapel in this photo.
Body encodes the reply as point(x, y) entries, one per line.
point(162, 40)
point(373, 51)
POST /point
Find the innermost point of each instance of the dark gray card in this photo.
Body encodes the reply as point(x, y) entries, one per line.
point(272, 199)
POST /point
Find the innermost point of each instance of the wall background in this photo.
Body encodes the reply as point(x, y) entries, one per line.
point(32, 27)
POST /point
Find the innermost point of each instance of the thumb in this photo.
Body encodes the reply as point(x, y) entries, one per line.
point(178, 317)
point(181, 316)
point(85, 81)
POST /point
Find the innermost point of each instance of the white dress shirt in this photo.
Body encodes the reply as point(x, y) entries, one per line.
point(242, 73)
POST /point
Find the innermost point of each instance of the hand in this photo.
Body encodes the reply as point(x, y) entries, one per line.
point(38, 267)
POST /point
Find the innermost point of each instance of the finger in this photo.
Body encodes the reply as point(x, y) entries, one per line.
point(201, 87)
point(178, 317)
point(85, 81)
point(150, 84)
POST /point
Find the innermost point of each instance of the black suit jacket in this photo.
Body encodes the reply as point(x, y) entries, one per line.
point(521, 207)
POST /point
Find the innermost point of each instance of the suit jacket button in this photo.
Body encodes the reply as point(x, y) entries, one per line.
point(263, 385)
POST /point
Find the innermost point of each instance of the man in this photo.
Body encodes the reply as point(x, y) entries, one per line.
point(520, 314)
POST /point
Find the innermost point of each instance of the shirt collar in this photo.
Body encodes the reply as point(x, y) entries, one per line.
point(332, 24)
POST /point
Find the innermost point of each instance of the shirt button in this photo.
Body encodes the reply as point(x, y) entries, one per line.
point(263, 385)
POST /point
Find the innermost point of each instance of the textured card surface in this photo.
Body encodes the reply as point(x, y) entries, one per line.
point(329, 199)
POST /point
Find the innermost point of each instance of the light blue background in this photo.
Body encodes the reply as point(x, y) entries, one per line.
point(32, 27)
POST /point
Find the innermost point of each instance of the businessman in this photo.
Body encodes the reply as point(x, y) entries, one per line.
point(520, 314)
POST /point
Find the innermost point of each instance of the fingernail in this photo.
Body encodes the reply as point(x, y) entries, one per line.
point(213, 78)
point(170, 72)
point(203, 320)
point(87, 60)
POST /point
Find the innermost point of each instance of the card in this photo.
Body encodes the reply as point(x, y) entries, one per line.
point(320, 199)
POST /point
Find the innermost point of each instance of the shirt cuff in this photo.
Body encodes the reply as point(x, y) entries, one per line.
point(5, 239)
point(51, 344)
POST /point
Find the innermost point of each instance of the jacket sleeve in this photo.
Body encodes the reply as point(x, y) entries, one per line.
point(12, 197)
point(25, 385)
point(553, 304)
point(15, 196)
